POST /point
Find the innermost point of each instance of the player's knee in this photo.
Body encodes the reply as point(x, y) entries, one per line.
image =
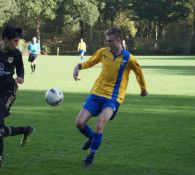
point(1, 132)
point(7, 131)
point(2, 114)
point(79, 124)
point(100, 127)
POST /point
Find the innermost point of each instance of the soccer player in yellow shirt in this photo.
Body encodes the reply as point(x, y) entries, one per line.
point(109, 89)
point(82, 49)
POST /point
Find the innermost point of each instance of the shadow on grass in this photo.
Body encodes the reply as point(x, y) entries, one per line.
point(151, 135)
point(153, 110)
point(172, 70)
point(36, 99)
point(167, 57)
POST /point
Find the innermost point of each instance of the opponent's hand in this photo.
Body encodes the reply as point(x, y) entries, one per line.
point(144, 93)
point(76, 73)
point(19, 80)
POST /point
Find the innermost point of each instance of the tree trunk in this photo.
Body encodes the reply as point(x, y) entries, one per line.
point(156, 34)
point(81, 29)
point(38, 33)
point(101, 31)
point(163, 33)
point(193, 14)
point(91, 40)
point(149, 29)
point(112, 21)
point(194, 21)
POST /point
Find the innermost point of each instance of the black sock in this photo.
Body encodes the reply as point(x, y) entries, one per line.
point(12, 131)
point(32, 68)
point(1, 144)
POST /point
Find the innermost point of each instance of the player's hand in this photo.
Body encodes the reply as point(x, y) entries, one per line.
point(144, 93)
point(19, 80)
point(76, 73)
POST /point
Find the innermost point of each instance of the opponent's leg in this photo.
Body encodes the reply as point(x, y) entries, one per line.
point(2, 114)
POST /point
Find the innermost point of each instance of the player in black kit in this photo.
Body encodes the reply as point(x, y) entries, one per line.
point(10, 60)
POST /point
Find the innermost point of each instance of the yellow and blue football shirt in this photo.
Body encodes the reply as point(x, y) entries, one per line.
point(113, 80)
point(82, 46)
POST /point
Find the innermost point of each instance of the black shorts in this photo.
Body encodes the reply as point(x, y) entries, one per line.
point(7, 98)
point(32, 57)
point(6, 101)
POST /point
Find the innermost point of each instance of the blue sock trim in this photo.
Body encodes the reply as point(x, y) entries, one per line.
point(87, 131)
point(96, 142)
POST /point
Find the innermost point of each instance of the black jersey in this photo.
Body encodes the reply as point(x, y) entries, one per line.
point(9, 62)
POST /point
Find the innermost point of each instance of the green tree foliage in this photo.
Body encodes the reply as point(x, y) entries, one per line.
point(160, 12)
point(164, 11)
point(38, 10)
point(128, 27)
point(82, 12)
point(177, 39)
point(145, 23)
point(8, 9)
point(110, 10)
point(126, 24)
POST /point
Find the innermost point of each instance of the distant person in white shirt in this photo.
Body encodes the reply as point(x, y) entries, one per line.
point(124, 44)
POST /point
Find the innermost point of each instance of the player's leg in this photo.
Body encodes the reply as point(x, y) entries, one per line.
point(81, 123)
point(1, 135)
point(32, 67)
point(103, 118)
point(2, 115)
point(1, 147)
point(91, 107)
point(34, 63)
point(82, 55)
point(13, 131)
point(30, 59)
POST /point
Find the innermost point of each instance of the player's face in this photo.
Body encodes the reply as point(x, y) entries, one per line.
point(11, 44)
point(34, 40)
point(113, 42)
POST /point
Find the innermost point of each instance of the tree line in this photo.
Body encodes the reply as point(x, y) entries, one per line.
point(149, 26)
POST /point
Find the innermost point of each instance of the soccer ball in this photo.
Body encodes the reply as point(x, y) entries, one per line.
point(54, 97)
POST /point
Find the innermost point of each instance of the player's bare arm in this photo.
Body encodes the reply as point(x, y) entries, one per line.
point(76, 72)
point(19, 80)
point(144, 93)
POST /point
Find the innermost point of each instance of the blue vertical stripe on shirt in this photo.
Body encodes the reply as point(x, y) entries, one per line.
point(126, 55)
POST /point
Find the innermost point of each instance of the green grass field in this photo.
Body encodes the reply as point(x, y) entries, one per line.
point(150, 136)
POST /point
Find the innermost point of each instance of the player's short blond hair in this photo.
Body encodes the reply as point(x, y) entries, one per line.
point(115, 31)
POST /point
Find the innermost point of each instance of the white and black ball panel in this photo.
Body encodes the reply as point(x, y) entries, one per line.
point(54, 96)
